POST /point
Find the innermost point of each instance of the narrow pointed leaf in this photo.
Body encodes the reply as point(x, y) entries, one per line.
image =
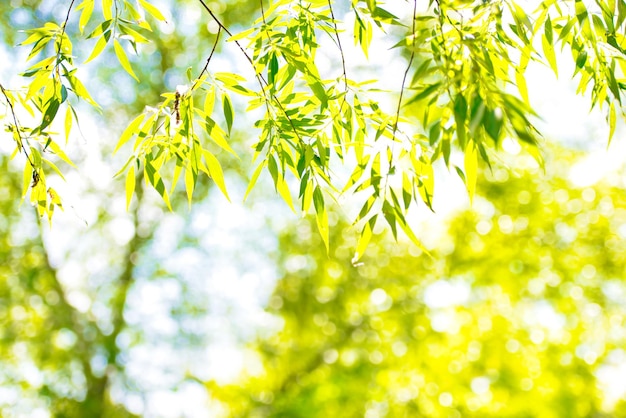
point(130, 185)
point(123, 59)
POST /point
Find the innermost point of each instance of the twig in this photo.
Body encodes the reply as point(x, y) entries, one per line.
point(261, 80)
point(67, 18)
point(17, 126)
point(343, 58)
point(406, 73)
point(208, 60)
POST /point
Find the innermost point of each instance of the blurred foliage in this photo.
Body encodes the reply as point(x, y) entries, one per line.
point(516, 314)
point(49, 349)
point(73, 331)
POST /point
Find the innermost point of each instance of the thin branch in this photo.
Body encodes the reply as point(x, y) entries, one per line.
point(406, 72)
point(67, 18)
point(343, 58)
point(261, 80)
point(208, 60)
point(17, 126)
point(262, 12)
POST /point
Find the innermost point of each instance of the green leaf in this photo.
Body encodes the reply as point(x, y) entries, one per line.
point(319, 92)
point(54, 167)
point(612, 120)
point(130, 185)
point(427, 183)
point(99, 47)
point(81, 91)
point(129, 131)
point(321, 216)
point(68, 123)
point(87, 7)
point(492, 122)
point(215, 169)
point(548, 51)
point(253, 179)
point(49, 114)
point(471, 169)
point(409, 233)
point(123, 59)
point(228, 111)
point(581, 59)
point(107, 5)
point(190, 182)
point(460, 115)
point(217, 135)
point(154, 178)
point(54, 148)
point(520, 81)
point(407, 190)
point(390, 216)
point(209, 101)
point(548, 30)
point(155, 12)
point(364, 239)
point(28, 177)
point(285, 193)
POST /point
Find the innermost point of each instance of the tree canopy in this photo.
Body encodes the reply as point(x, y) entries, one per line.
point(463, 89)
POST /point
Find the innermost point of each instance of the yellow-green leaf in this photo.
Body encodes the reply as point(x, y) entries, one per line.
point(471, 168)
point(98, 48)
point(321, 216)
point(107, 5)
point(548, 51)
point(253, 180)
point(87, 7)
point(54, 167)
point(81, 91)
point(28, 177)
point(612, 118)
point(190, 182)
point(68, 123)
point(123, 59)
point(427, 186)
point(307, 198)
point(129, 131)
point(364, 239)
point(155, 12)
point(54, 147)
point(283, 190)
point(409, 233)
point(130, 185)
point(215, 169)
point(228, 111)
point(209, 101)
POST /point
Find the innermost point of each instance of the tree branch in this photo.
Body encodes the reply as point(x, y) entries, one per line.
point(262, 82)
point(20, 141)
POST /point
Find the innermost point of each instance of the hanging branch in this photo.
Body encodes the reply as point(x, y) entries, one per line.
point(261, 80)
point(208, 60)
point(343, 58)
point(17, 126)
point(406, 72)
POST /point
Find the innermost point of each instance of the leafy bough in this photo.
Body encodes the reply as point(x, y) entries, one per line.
point(461, 56)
